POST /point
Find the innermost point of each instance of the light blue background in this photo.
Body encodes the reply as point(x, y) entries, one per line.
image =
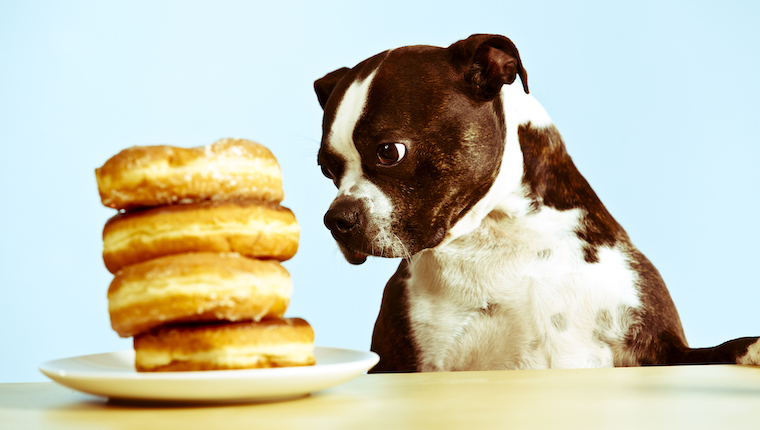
point(657, 102)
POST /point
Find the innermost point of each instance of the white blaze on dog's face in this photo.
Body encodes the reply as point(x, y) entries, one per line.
point(411, 148)
point(353, 185)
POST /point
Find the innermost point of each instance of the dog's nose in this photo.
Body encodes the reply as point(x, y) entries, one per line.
point(342, 217)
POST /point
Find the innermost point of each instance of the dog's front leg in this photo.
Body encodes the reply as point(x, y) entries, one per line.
point(392, 338)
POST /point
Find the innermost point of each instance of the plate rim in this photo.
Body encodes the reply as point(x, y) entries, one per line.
point(204, 374)
point(328, 375)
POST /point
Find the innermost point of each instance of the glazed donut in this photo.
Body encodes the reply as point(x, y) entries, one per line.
point(252, 228)
point(159, 175)
point(220, 346)
point(196, 287)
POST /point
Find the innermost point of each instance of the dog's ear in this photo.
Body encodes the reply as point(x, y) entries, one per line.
point(325, 85)
point(488, 62)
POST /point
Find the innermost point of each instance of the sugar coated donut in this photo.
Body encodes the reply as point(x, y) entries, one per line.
point(160, 175)
point(225, 345)
point(196, 287)
point(252, 228)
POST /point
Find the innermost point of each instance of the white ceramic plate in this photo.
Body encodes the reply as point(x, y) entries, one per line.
point(113, 375)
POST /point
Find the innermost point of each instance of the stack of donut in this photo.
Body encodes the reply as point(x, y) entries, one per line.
point(196, 250)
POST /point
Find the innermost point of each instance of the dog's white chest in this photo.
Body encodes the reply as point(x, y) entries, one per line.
point(526, 300)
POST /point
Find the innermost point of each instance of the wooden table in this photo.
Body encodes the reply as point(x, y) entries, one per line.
point(688, 397)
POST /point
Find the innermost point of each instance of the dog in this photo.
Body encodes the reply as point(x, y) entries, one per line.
point(509, 258)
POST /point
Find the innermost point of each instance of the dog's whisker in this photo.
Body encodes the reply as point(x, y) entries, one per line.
point(405, 251)
point(375, 241)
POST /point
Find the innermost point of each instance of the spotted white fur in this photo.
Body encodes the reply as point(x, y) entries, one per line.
point(531, 302)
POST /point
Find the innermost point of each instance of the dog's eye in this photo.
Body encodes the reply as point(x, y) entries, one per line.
point(390, 153)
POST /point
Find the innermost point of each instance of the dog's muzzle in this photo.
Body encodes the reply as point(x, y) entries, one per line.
point(346, 220)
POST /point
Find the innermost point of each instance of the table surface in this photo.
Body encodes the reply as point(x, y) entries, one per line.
point(693, 397)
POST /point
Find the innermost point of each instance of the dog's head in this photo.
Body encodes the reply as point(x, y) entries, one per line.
point(413, 138)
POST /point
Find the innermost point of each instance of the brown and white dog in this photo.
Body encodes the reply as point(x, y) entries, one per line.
point(510, 260)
